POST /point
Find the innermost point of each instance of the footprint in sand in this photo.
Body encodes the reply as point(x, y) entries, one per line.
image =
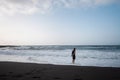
point(77, 79)
point(57, 78)
point(10, 72)
point(3, 75)
point(36, 77)
point(18, 76)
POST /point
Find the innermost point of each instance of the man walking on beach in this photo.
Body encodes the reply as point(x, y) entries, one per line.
point(73, 55)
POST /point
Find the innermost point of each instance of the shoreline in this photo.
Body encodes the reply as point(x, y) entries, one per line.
point(34, 71)
point(55, 64)
point(77, 65)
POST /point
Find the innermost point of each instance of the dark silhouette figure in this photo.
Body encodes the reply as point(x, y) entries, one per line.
point(73, 55)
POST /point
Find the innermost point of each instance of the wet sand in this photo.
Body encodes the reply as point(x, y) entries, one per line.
point(32, 71)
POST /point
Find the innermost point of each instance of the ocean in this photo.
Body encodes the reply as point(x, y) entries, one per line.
point(86, 55)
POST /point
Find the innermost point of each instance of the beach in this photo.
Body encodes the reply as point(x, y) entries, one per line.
point(33, 71)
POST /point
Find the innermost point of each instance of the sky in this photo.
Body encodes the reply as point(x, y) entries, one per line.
point(59, 22)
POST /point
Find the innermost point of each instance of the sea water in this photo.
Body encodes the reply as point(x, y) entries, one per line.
point(86, 55)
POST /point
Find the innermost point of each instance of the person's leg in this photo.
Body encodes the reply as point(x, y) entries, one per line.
point(73, 61)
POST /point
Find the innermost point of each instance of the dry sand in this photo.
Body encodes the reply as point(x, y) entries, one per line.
point(31, 71)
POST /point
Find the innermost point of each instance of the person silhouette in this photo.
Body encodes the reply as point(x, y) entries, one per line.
point(73, 55)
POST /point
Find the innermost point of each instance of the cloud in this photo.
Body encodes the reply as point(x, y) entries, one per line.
point(11, 7)
point(24, 6)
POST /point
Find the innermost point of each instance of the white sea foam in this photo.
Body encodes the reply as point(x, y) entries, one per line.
point(85, 56)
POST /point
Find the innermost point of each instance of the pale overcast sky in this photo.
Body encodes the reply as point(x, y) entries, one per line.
point(60, 22)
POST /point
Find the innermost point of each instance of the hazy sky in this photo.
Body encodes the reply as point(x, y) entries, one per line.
point(61, 22)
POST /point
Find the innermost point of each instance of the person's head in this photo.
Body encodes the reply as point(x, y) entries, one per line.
point(74, 48)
